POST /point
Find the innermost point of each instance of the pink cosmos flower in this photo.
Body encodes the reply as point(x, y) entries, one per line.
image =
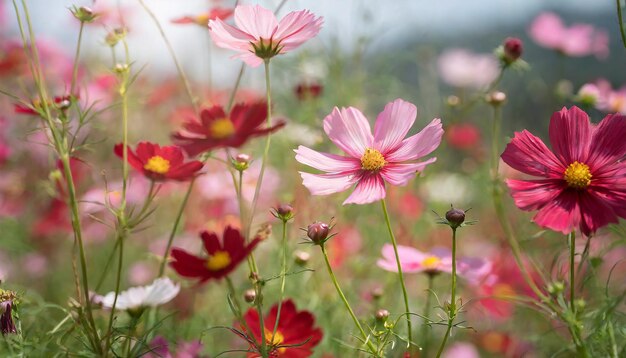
point(436, 261)
point(371, 160)
point(462, 68)
point(583, 178)
point(578, 40)
point(260, 36)
point(607, 99)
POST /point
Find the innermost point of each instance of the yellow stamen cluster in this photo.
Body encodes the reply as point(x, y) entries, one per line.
point(277, 340)
point(372, 160)
point(577, 175)
point(157, 164)
point(218, 261)
point(431, 262)
point(222, 128)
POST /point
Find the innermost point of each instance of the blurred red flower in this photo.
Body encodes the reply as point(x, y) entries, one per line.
point(463, 136)
point(203, 18)
point(160, 163)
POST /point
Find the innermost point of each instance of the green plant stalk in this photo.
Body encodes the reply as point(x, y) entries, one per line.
point(572, 281)
point(64, 155)
point(283, 279)
point(242, 321)
point(620, 19)
point(329, 268)
point(400, 273)
point(452, 309)
point(76, 58)
point(425, 329)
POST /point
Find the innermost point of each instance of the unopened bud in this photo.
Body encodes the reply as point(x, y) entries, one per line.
point(241, 162)
point(580, 304)
point(249, 296)
point(84, 14)
point(513, 49)
point(301, 258)
point(556, 287)
point(496, 98)
point(318, 232)
point(455, 217)
point(121, 68)
point(283, 212)
point(115, 36)
point(377, 293)
point(382, 315)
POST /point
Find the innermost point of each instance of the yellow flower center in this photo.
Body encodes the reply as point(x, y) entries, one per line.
point(218, 261)
point(577, 175)
point(157, 164)
point(617, 103)
point(431, 262)
point(503, 290)
point(222, 128)
point(277, 340)
point(372, 160)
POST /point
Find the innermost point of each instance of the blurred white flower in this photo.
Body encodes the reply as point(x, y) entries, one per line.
point(463, 68)
point(448, 188)
point(161, 291)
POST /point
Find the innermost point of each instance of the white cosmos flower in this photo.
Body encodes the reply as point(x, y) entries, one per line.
point(161, 291)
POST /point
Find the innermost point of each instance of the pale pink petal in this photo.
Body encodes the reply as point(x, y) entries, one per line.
point(229, 37)
point(393, 124)
point(410, 259)
point(369, 189)
point(349, 130)
point(547, 30)
point(578, 40)
point(532, 195)
point(570, 135)
point(324, 184)
point(256, 21)
point(401, 173)
point(326, 161)
point(296, 28)
point(418, 145)
point(250, 58)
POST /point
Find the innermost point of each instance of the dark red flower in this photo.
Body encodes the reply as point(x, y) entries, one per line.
point(203, 19)
point(223, 256)
point(583, 177)
point(307, 91)
point(60, 102)
point(215, 129)
point(513, 48)
point(160, 163)
point(295, 335)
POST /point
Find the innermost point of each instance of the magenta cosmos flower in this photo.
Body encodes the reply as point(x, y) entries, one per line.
point(583, 178)
point(260, 36)
point(371, 160)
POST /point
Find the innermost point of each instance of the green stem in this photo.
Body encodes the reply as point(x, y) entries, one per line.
point(257, 190)
point(621, 22)
point(365, 337)
point(426, 314)
point(283, 276)
point(572, 282)
point(452, 310)
point(238, 314)
point(400, 274)
point(76, 58)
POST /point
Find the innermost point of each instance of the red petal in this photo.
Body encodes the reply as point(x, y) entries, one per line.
point(570, 135)
point(530, 155)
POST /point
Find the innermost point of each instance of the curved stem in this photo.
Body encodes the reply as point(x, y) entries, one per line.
point(621, 22)
point(452, 310)
point(366, 339)
point(400, 274)
point(572, 281)
point(283, 274)
point(426, 314)
point(76, 57)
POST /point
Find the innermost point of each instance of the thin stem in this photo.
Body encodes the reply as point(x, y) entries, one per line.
point(621, 22)
point(572, 282)
point(257, 190)
point(452, 309)
point(426, 314)
point(366, 339)
point(400, 274)
point(283, 274)
point(179, 68)
point(239, 316)
point(118, 280)
point(76, 58)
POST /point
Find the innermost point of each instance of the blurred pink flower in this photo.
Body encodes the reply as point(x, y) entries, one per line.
point(140, 273)
point(161, 348)
point(344, 245)
point(461, 350)
point(259, 35)
point(578, 40)
point(606, 98)
point(462, 68)
point(34, 264)
point(372, 160)
point(436, 261)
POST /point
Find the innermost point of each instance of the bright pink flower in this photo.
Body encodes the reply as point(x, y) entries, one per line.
point(578, 40)
point(259, 35)
point(438, 260)
point(584, 177)
point(372, 160)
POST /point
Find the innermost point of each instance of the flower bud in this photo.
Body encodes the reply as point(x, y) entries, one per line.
point(455, 217)
point(377, 293)
point(382, 315)
point(283, 212)
point(84, 14)
point(555, 288)
point(241, 162)
point(115, 36)
point(318, 232)
point(121, 68)
point(495, 98)
point(250, 295)
point(513, 49)
point(7, 300)
point(579, 304)
point(301, 258)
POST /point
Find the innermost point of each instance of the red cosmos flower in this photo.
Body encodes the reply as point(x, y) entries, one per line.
point(59, 102)
point(306, 91)
point(295, 335)
point(584, 177)
point(223, 257)
point(203, 19)
point(215, 129)
point(463, 136)
point(160, 163)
